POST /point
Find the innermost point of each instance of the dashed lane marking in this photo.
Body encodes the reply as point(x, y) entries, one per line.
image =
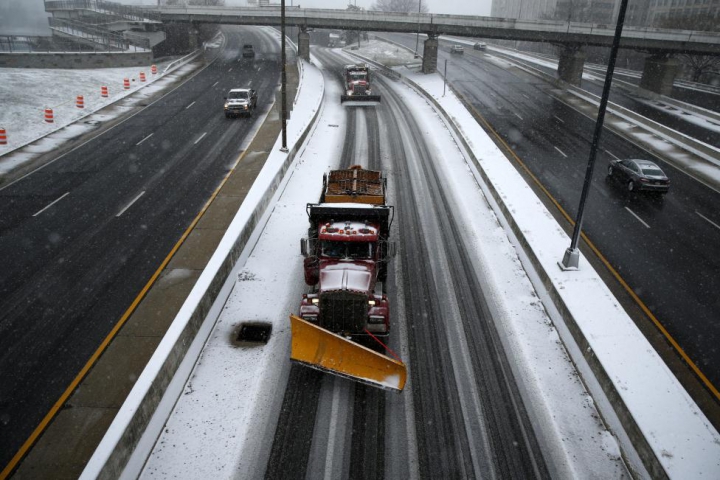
point(131, 203)
point(201, 137)
point(636, 216)
point(51, 204)
point(141, 141)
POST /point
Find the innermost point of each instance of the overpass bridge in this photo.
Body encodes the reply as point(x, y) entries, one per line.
point(660, 44)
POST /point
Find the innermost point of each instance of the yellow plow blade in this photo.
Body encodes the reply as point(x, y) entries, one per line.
point(318, 348)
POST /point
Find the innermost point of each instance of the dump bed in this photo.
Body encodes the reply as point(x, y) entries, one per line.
point(354, 185)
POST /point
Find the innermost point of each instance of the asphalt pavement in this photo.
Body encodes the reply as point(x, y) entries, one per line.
point(84, 236)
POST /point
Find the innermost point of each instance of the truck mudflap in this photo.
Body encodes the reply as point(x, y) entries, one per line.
point(359, 100)
point(320, 349)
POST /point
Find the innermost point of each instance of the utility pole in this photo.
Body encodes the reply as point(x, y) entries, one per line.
point(571, 259)
point(283, 81)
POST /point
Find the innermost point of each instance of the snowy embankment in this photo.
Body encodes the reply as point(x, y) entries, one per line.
point(27, 92)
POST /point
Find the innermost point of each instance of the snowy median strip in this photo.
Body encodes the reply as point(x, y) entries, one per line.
point(206, 298)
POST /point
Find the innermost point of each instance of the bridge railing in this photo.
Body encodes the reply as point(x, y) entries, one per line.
point(100, 36)
point(644, 38)
point(127, 12)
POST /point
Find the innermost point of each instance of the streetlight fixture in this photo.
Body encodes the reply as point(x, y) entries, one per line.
point(571, 259)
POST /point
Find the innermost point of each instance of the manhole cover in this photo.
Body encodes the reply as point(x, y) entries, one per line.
point(253, 333)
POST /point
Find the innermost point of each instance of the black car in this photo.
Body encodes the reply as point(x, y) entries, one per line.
point(639, 175)
point(248, 51)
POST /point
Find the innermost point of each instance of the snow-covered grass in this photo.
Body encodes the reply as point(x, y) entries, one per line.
point(27, 92)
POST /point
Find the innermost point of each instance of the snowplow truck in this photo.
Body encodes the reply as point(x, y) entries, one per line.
point(357, 86)
point(344, 320)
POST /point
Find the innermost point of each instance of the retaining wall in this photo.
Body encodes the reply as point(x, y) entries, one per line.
point(78, 60)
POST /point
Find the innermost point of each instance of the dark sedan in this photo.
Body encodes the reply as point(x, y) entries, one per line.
point(639, 175)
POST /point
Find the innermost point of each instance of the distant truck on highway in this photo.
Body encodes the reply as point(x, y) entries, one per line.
point(357, 86)
point(345, 262)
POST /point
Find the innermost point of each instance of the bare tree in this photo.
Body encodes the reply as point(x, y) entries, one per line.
point(404, 6)
point(698, 65)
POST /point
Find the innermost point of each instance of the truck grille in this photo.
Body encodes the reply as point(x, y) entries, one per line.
point(359, 89)
point(343, 312)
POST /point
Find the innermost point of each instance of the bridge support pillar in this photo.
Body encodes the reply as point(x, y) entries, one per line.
point(659, 74)
point(193, 39)
point(570, 66)
point(430, 52)
point(304, 45)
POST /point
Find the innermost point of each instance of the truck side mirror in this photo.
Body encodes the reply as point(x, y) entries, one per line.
point(392, 249)
point(304, 246)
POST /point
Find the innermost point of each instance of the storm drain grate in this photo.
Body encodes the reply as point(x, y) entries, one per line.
point(254, 332)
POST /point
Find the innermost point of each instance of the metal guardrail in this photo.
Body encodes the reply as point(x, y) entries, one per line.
point(100, 36)
point(127, 12)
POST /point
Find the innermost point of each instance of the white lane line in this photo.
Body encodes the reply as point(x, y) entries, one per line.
point(215, 83)
point(708, 220)
point(201, 137)
point(144, 139)
point(518, 116)
point(193, 103)
point(526, 96)
point(130, 204)
point(611, 154)
point(230, 70)
point(639, 219)
point(50, 205)
point(559, 119)
point(561, 152)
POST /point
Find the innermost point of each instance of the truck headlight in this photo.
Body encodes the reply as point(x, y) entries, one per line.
point(315, 301)
point(371, 302)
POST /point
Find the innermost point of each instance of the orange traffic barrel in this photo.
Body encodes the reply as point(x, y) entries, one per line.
point(142, 76)
point(80, 102)
point(3, 137)
point(103, 91)
point(126, 84)
point(153, 69)
point(49, 115)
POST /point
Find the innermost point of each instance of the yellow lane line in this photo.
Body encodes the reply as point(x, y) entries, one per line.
point(602, 258)
point(105, 343)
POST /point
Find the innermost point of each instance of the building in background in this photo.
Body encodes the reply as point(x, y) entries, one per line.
point(639, 12)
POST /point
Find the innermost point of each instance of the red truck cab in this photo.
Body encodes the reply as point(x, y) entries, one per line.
point(346, 256)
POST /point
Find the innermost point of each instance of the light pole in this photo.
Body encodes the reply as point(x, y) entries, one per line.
point(283, 80)
point(571, 259)
point(417, 38)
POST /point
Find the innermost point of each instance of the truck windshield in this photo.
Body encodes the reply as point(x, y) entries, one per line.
point(241, 95)
point(334, 249)
point(355, 77)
